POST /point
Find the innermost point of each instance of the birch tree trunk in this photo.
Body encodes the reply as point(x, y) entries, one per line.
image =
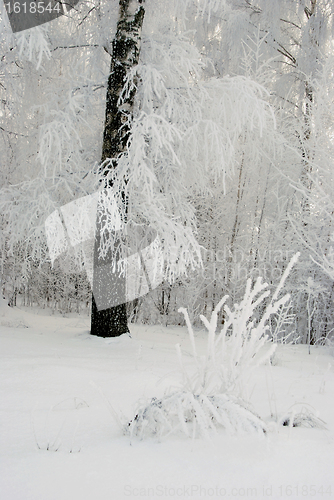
point(112, 322)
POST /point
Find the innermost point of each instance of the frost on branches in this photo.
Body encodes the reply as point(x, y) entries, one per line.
point(185, 136)
point(186, 131)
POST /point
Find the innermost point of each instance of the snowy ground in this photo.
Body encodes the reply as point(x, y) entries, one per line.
point(61, 388)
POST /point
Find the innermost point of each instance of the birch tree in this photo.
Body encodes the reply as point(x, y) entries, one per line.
point(117, 130)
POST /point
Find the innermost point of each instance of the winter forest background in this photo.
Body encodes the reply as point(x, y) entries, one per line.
point(230, 160)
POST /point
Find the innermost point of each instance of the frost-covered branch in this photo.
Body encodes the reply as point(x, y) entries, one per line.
point(33, 44)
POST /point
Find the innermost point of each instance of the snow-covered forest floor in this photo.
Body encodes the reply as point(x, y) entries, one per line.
point(61, 389)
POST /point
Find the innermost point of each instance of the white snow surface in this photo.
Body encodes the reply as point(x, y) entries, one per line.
point(64, 392)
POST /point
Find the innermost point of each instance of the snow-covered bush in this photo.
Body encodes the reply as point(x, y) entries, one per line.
point(194, 415)
point(305, 417)
point(212, 394)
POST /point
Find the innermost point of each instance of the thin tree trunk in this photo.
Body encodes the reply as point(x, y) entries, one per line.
point(235, 228)
point(112, 321)
point(307, 163)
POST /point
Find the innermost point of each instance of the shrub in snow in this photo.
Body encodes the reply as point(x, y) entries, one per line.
point(212, 387)
point(56, 428)
point(193, 415)
point(303, 418)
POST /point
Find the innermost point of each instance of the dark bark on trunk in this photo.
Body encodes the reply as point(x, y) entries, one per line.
point(112, 322)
